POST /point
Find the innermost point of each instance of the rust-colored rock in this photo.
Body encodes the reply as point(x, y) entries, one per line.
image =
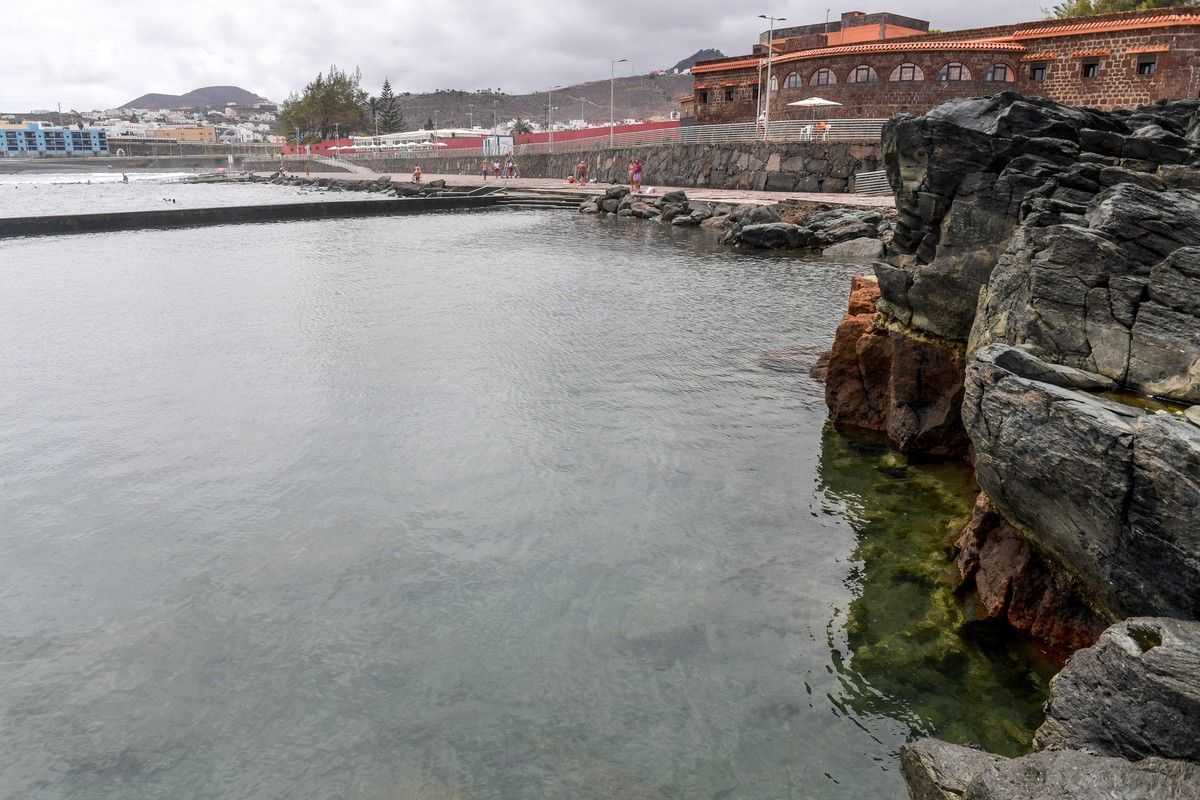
point(888, 382)
point(1014, 583)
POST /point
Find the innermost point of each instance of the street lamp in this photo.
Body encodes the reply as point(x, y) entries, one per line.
point(470, 115)
point(612, 79)
point(550, 117)
point(770, 50)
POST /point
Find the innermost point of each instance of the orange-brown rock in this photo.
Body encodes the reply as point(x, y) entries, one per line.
point(1013, 583)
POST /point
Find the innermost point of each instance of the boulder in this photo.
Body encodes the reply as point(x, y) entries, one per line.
point(937, 770)
point(676, 197)
point(861, 249)
point(616, 192)
point(439, 183)
point(1134, 694)
point(1107, 490)
point(769, 235)
point(610, 205)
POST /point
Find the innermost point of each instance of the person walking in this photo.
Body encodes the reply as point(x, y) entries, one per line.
point(483, 170)
point(496, 168)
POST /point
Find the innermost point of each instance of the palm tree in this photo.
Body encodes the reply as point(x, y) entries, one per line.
point(521, 125)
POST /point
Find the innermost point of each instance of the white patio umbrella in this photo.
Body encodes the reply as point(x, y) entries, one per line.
point(814, 103)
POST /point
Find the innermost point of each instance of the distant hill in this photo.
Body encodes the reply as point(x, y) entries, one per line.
point(203, 98)
point(700, 55)
point(634, 97)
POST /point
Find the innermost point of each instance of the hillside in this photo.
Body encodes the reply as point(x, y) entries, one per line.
point(706, 54)
point(639, 96)
point(203, 98)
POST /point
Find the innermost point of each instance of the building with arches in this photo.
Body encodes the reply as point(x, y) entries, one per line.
point(881, 64)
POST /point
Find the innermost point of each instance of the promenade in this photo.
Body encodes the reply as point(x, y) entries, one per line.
point(561, 187)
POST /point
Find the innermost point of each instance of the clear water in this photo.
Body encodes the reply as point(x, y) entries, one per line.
point(47, 194)
point(497, 505)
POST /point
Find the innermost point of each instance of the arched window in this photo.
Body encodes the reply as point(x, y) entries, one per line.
point(861, 74)
point(954, 71)
point(907, 72)
point(822, 77)
point(793, 81)
point(774, 85)
point(1000, 73)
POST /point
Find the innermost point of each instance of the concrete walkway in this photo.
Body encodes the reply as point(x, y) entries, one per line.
point(560, 187)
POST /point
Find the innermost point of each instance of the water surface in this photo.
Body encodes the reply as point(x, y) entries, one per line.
point(493, 505)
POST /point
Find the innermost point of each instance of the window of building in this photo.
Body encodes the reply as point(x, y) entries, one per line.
point(1037, 71)
point(730, 94)
point(862, 74)
point(1147, 65)
point(1090, 68)
point(793, 81)
point(954, 71)
point(907, 72)
point(823, 77)
point(702, 97)
point(1000, 73)
point(774, 84)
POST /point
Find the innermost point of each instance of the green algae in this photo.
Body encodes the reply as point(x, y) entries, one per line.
point(913, 652)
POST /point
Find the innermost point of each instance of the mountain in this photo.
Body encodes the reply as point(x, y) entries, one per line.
point(203, 98)
point(700, 55)
point(634, 97)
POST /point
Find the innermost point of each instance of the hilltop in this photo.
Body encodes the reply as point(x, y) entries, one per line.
point(638, 96)
point(706, 54)
point(202, 98)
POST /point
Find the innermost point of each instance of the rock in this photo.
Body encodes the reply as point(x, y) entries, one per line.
point(1192, 414)
point(820, 369)
point(769, 235)
point(1072, 775)
point(589, 208)
point(717, 223)
point(749, 214)
point(686, 220)
point(439, 183)
point(625, 212)
point(1020, 361)
point(610, 205)
point(861, 249)
point(1134, 694)
point(676, 197)
point(937, 770)
point(891, 382)
point(616, 192)
point(1012, 581)
point(1109, 491)
point(670, 211)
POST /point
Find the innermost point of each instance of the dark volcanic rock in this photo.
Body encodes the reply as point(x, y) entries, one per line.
point(1105, 487)
point(937, 770)
point(1134, 694)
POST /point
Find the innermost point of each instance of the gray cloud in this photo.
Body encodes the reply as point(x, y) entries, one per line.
point(86, 60)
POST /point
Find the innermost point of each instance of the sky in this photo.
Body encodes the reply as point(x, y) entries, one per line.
point(89, 55)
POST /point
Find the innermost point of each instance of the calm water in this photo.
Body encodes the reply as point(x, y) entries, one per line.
point(27, 194)
point(472, 506)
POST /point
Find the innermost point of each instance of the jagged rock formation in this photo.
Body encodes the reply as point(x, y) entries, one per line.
point(1120, 723)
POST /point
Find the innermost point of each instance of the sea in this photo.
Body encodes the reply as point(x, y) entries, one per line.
point(473, 506)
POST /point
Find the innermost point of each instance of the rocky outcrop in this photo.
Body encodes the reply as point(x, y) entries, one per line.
point(918, 406)
point(818, 231)
point(1110, 491)
point(1013, 582)
point(1132, 695)
point(1120, 723)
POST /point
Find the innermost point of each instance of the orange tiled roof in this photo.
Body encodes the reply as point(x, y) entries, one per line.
point(721, 66)
point(1104, 26)
point(1095, 51)
point(687, 98)
point(901, 46)
point(1148, 48)
point(1040, 57)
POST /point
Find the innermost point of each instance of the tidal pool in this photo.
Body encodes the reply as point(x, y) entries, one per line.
point(500, 505)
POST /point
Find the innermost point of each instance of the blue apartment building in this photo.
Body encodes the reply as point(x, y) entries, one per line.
point(38, 139)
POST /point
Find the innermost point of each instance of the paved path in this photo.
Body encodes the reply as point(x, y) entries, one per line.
point(558, 186)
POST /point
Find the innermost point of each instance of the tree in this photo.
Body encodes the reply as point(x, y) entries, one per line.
point(429, 124)
point(521, 125)
point(372, 114)
point(333, 99)
point(1084, 8)
point(391, 117)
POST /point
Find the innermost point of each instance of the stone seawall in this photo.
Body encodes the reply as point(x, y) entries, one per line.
point(774, 166)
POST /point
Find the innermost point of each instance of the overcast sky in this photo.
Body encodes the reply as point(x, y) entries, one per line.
point(95, 55)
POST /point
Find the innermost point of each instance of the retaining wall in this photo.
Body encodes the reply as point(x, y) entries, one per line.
point(774, 166)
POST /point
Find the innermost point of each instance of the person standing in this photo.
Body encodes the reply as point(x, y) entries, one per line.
point(496, 168)
point(636, 175)
point(512, 168)
point(483, 170)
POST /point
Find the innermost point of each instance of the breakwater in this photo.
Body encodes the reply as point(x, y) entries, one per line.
point(758, 166)
point(192, 217)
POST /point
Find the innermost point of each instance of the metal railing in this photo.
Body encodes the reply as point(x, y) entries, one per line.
point(875, 182)
point(791, 130)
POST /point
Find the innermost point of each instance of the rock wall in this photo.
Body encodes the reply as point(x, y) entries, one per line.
point(1058, 250)
point(773, 166)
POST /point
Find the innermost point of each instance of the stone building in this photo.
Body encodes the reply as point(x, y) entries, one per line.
point(875, 66)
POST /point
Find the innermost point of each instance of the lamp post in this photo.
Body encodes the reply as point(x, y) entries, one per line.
point(550, 117)
point(770, 51)
point(495, 127)
point(612, 80)
point(470, 116)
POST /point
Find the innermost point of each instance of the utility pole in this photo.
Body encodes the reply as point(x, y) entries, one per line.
point(612, 80)
point(770, 51)
point(495, 127)
point(470, 115)
point(550, 117)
